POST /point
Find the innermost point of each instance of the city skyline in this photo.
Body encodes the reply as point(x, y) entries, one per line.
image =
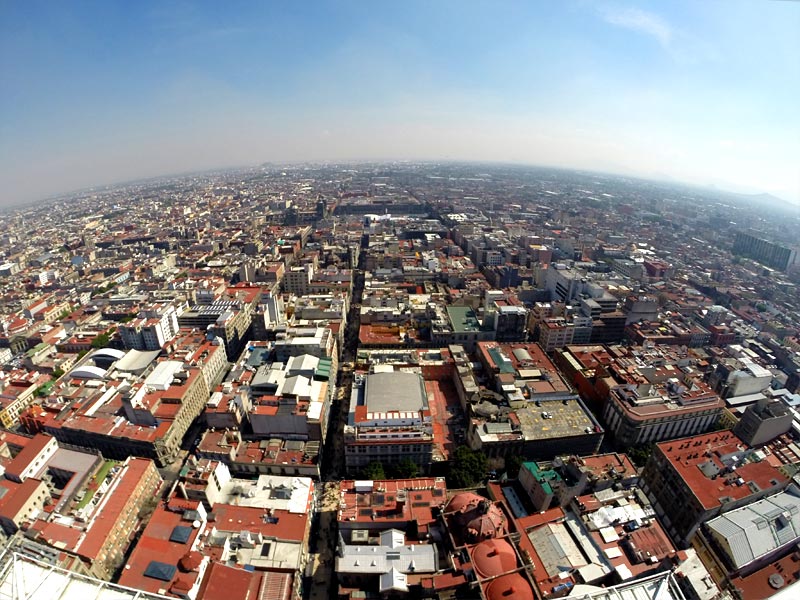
point(696, 93)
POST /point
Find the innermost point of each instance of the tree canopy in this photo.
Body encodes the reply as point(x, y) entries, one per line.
point(374, 470)
point(469, 468)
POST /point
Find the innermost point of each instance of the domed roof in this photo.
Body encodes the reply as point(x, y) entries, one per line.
point(463, 502)
point(493, 557)
point(488, 524)
point(509, 586)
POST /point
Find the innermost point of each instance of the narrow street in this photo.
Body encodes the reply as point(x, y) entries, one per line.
point(321, 582)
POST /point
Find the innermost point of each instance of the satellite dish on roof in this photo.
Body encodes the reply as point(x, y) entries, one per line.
point(196, 524)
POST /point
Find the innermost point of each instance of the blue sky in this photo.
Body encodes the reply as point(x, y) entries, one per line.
point(99, 92)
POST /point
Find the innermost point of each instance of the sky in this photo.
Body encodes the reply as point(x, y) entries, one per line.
point(93, 93)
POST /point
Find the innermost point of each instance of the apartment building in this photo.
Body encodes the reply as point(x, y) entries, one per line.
point(153, 327)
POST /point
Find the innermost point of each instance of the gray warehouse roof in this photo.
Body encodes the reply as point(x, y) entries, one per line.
point(386, 392)
point(759, 528)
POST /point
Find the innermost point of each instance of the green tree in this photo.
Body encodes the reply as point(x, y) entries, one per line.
point(639, 454)
point(405, 469)
point(469, 468)
point(101, 341)
point(513, 465)
point(374, 470)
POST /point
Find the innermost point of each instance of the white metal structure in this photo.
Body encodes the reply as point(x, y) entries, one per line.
point(24, 578)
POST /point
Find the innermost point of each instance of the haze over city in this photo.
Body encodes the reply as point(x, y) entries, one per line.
point(422, 300)
point(702, 92)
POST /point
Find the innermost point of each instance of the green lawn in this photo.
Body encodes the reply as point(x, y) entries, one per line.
point(97, 479)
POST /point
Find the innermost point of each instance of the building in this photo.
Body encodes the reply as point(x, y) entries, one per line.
point(763, 421)
point(297, 280)
point(100, 532)
point(743, 376)
point(152, 328)
point(18, 391)
point(192, 347)
point(405, 504)
point(385, 565)
point(227, 316)
point(692, 480)
point(166, 559)
point(770, 254)
point(147, 418)
point(557, 483)
point(740, 542)
point(639, 414)
point(531, 411)
point(316, 341)
point(23, 576)
point(20, 502)
point(389, 421)
point(558, 332)
point(292, 401)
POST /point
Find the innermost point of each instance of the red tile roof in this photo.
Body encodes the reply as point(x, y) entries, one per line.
point(225, 583)
point(686, 455)
point(422, 494)
point(27, 455)
point(154, 544)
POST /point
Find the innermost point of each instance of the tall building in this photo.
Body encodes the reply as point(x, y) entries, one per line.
point(763, 422)
point(770, 254)
point(153, 327)
point(692, 480)
point(389, 421)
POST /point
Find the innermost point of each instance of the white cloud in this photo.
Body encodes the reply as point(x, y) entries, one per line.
point(640, 21)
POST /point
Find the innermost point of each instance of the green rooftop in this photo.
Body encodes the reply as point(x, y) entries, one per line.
point(96, 481)
point(463, 319)
point(543, 477)
point(323, 370)
point(505, 366)
point(36, 349)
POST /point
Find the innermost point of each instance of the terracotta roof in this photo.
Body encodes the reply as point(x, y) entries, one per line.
point(493, 557)
point(512, 586)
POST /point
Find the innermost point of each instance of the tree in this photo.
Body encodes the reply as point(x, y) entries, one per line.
point(374, 470)
point(469, 468)
point(405, 469)
point(513, 465)
point(639, 454)
point(101, 341)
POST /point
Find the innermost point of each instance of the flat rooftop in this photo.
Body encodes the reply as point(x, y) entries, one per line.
point(397, 391)
point(568, 418)
point(704, 463)
point(463, 319)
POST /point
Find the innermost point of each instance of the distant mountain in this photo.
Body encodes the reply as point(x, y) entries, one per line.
point(766, 201)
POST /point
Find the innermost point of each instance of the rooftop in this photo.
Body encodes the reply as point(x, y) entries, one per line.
point(396, 391)
point(24, 577)
point(565, 418)
point(718, 467)
point(463, 319)
point(390, 501)
point(755, 530)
